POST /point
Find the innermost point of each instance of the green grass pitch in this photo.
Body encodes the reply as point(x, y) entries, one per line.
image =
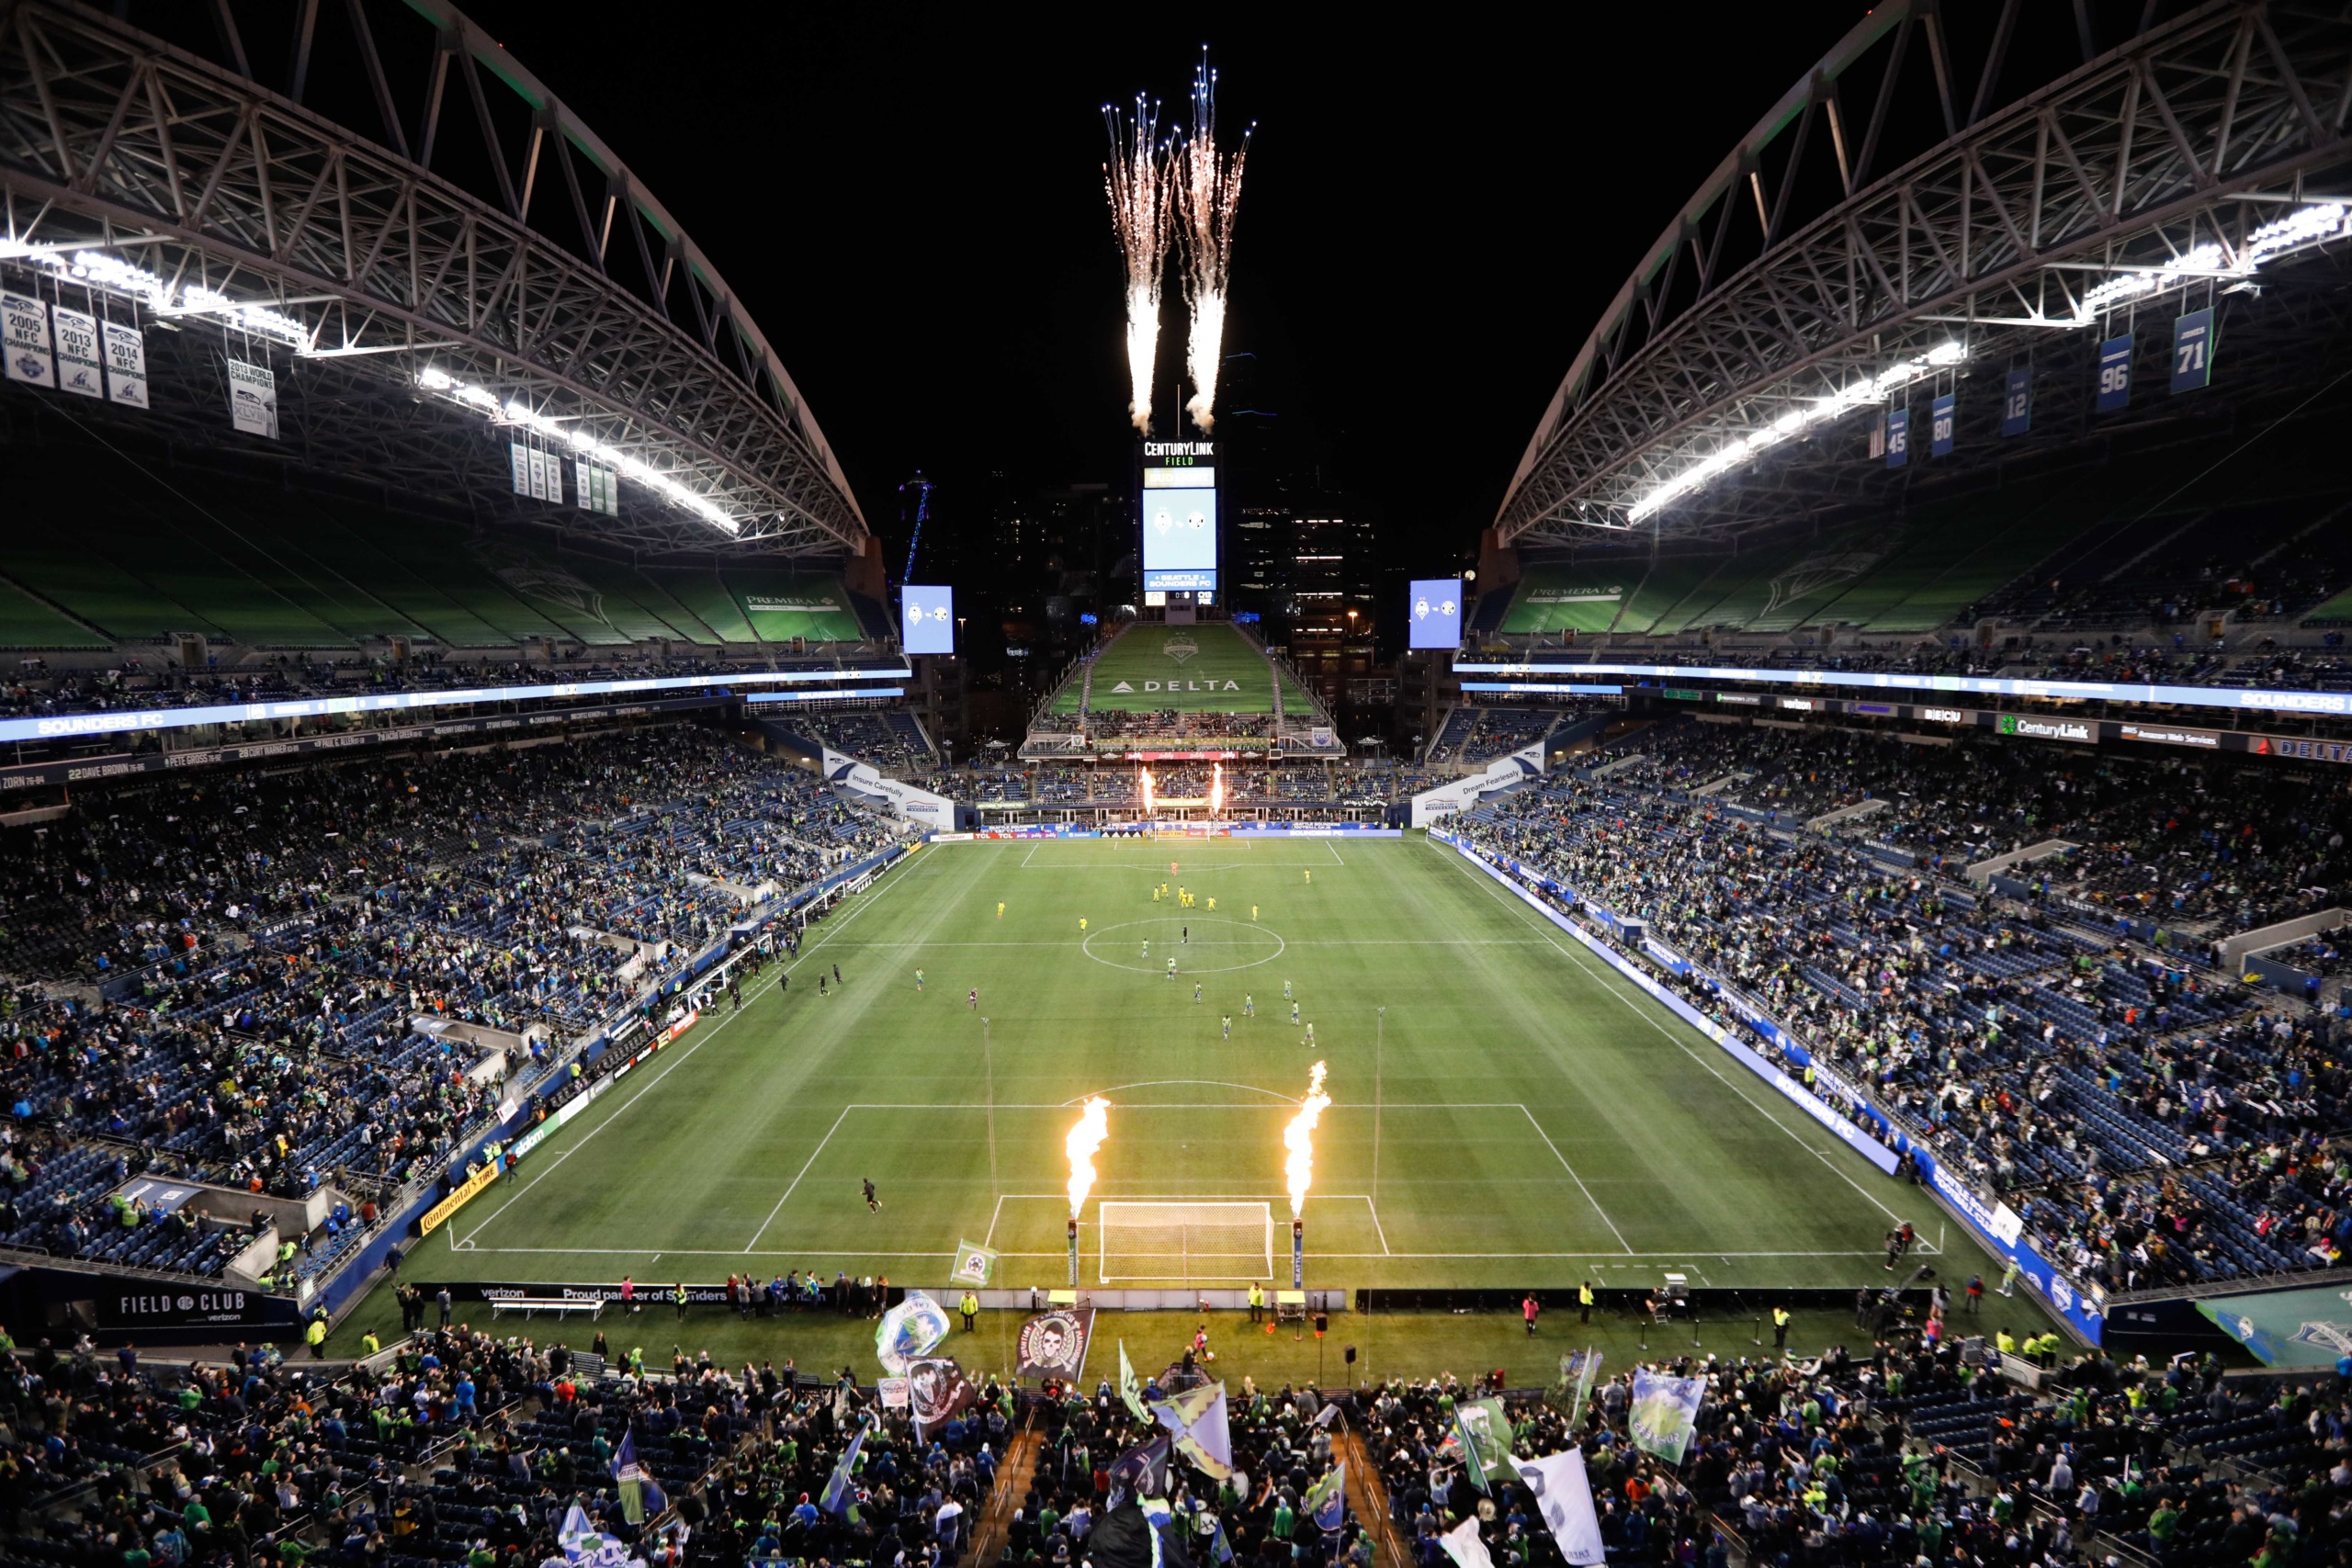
point(1517, 1117)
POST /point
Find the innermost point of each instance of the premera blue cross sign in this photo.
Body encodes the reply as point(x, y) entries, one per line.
point(1433, 609)
point(927, 619)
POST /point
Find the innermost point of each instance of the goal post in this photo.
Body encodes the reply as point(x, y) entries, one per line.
point(1185, 1239)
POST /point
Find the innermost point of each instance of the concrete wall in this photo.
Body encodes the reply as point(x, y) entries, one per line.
point(2263, 938)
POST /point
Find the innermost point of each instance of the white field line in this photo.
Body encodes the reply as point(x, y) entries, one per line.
point(1575, 1178)
point(696, 1045)
point(795, 1180)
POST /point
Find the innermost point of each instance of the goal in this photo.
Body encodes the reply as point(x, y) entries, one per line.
point(1186, 1240)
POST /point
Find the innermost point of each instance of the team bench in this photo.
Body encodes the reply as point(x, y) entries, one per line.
point(528, 1305)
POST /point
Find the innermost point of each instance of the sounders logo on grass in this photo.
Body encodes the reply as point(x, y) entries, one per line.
point(1180, 647)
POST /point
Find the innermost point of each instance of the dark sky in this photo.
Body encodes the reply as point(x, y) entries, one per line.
point(1435, 211)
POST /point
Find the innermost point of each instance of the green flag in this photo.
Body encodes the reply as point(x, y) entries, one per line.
point(1130, 1391)
point(1484, 1428)
point(974, 1263)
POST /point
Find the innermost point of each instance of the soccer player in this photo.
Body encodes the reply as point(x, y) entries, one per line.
point(820, 985)
point(1187, 935)
point(872, 1202)
point(1309, 1041)
point(837, 973)
point(1212, 903)
point(1293, 1012)
point(1171, 969)
point(973, 1000)
point(1285, 991)
point(1310, 877)
point(1228, 1021)
point(918, 979)
point(1197, 990)
point(1000, 908)
point(1081, 925)
point(1155, 895)
point(1146, 950)
point(1249, 1006)
point(1253, 911)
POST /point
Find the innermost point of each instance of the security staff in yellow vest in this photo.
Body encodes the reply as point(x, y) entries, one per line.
point(970, 1307)
point(2004, 1342)
point(1257, 1302)
point(316, 1336)
point(1780, 1328)
point(1584, 1301)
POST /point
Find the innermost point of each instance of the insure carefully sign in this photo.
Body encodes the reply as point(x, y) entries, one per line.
point(2192, 351)
point(2115, 374)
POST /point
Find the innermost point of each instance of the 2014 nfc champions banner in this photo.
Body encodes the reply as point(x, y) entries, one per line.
point(71, 351)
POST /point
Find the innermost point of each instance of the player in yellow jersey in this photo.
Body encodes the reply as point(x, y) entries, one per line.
point(1081, 925)
point(1253, 911)
point(1000, 909)
point(1212, 903)
point(1310, 876)
point(1155, 895)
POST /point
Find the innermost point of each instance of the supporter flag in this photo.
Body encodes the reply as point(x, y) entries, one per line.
point(1196, 1424)
point(1130, 1391)
point(1578, 1369)
point(1482, 1428)
point(1220, 1549)
point(1326, 1501)
point(840, 1497)
point(913, 1328)
point(587, 1547)
point(1462, 1544)
point(974, 1263)
point(1141, 1471)
point(1053, 1344)
point(1564, 1493)
point(1664, 1414)
point(938, 1392)
point(625, 1465)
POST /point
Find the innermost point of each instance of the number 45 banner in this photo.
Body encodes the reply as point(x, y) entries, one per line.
point(2192, 351)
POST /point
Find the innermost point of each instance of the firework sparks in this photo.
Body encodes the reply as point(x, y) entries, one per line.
point(1208, 192)
point(1087, 1136)
point(1299, 1138)
point(1137, 179)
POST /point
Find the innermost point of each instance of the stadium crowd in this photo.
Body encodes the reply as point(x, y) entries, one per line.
point(229, 970)
point(2151, 1121)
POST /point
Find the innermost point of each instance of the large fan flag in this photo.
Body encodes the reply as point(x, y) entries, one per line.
point(840, 1497)
point(909, 1331)
point(1130, 1391)
point(1196, 1424)
point(1462, 1544)
point(1326, 1500)
point(1564, 1492)
point(1665, 1413)
point(973, 1264)
point(1482, 1428)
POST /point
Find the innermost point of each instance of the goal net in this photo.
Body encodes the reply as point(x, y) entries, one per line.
point(1190, 1240)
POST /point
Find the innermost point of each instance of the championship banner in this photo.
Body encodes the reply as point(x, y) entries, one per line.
point(974, 1263)
point(125, 364)
point(1665, 1413)
point(80, 369)
point(24, 337)
point(937, 1392)
point(252, 399)
point(1053, 1344)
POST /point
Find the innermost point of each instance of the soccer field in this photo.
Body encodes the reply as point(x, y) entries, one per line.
point(1517, 1116)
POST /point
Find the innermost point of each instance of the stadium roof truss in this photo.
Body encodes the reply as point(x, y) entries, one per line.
point(2182, 160)
point(413, 310)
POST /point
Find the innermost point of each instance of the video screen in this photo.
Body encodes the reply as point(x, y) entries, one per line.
point(927, 619)
point(1179, 528)
point(1433, 608)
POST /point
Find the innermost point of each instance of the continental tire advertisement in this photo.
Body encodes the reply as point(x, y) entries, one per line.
point(457, 1199)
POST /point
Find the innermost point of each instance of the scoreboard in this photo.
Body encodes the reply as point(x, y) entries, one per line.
point(1179, 516)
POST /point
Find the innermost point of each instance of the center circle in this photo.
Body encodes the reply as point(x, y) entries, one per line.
point(1217, 945)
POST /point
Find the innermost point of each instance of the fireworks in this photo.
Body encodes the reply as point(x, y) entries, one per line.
point(1299, 1138)
point(1087, 1136)
point(1207, 192)
point(1137, 179)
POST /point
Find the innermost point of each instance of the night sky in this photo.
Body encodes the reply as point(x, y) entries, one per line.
point(911, 202)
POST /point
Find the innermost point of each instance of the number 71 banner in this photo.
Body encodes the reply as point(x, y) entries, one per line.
point(2192, 351)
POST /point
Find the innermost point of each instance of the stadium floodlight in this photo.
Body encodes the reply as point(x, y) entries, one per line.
point(577, 438)
point(2304, 226)
point(1855, 394)
point(100, 270)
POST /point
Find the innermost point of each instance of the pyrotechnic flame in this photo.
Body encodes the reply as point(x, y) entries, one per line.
point(1216, 788)
point(1137, 179)
point(1208, 191)
point(1149, 788)
point(1299, 1138)
point(1084, 1139)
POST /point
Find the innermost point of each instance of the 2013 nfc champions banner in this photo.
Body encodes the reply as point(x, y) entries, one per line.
point(71, 351)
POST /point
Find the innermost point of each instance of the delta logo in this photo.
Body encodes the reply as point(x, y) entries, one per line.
point(1131, 688)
